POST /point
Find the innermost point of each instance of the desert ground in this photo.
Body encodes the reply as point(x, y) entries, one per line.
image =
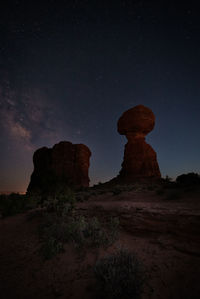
point(160, 227)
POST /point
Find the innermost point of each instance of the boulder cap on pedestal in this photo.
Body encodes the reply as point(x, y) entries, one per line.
point(140, 159)
point(138, 120)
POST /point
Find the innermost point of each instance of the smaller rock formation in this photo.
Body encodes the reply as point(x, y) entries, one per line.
point(65, 164)
point(140, 159)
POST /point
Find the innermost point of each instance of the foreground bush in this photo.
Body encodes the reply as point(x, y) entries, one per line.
point(55, 231)
point(120, 276)
point(15, 203)
point(189, 179)
point(62, 202)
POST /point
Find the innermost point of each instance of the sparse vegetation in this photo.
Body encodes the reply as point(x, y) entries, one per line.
point(16, 203)
point(117, 190)
point(173, 194)
point(125, 188)
point(167, 179)
point(55, 231)
point(120, 276)
point(61, 225)
point(83, 195)
point(62, 203)
point(51, 247)
point(160, 191)
point(151, 187)
point(189, 179)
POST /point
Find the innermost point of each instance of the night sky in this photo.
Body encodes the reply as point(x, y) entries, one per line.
point(69, 69)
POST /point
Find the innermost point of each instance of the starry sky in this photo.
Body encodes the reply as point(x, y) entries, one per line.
point(69, 69)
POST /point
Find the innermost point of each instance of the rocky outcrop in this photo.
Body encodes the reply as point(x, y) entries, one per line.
point(140, 159)
point(65, 164)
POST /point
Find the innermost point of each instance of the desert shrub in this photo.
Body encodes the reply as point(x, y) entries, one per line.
point(61, 203)
point(94, 193)
point(138, 187)
point(52, 232)
point(15, 203)
point(80, 231)
point(189, 179)
point(82, 189)
point(33, 201)
point(113, 228)
point(51, 247)
point(53, 228)
point(119, 276)
point(160, 191)
point(173, 195)
point(102, 191)
point(117, 190)
point(167, 179)
point(151, 187)
point(99, 235)
point(61, 224)
point(82, 196)
point(99, 184)
point(92, 232)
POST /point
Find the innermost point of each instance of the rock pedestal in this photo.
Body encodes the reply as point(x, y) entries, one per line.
point(65, 164)
point(140, 159)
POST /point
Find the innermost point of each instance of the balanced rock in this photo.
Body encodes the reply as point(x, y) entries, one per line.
point(65, 164)
point(140, 159)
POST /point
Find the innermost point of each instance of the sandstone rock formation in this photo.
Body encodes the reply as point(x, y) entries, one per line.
point(139, 157)
point(65, 164)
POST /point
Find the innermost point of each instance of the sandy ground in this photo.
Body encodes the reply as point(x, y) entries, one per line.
point(164, 234)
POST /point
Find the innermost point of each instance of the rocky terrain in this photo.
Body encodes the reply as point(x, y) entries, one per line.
point(160, 226)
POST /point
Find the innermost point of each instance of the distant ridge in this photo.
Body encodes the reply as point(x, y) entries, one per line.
point(9, 192)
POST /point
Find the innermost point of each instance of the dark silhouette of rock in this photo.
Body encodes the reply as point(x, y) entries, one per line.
point(65, 164)
point(188, 179)
point(140, 159)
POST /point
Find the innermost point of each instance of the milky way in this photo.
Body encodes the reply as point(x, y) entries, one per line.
point(69, 70)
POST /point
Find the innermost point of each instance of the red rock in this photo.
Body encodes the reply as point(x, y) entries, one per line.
point(65, 163)
point(137, 121)
point(140, 159)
